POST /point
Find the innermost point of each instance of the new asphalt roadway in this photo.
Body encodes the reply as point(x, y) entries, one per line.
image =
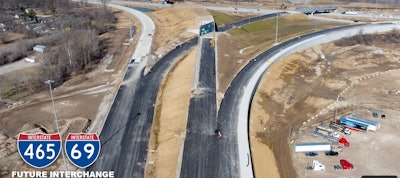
point(125, 136)
point(204, 154)
point(202, 117)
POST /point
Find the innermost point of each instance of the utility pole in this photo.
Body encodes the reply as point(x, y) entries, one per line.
point(249, 9)
point(276, 30)
point(130, 28)
point(49, 82)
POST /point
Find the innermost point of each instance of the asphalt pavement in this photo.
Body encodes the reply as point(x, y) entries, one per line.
point(202, 118)
point(204, 154)
point(125, 137)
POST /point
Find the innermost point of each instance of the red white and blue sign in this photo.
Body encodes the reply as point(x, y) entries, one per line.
point(82, 148)
point(39, 150)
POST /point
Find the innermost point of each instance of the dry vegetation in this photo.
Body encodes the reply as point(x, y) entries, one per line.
point(81, 101)
point(72, 40)
point(392, 37)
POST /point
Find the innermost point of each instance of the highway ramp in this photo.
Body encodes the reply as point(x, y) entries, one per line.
point(202, 118)
point(125, 138)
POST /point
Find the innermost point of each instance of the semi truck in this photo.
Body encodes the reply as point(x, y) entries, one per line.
point(345, 164)
point(340, 128)
point(316, 166)
point(329, 134)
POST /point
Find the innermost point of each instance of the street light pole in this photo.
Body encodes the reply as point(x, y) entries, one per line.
point(49, 82)
point(276, 29)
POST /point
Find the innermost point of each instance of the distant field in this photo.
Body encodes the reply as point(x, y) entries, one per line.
point(288, 27)
point(222, 18)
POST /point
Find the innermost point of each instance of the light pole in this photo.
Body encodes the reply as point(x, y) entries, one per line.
point(276, 29)
point(49, 82)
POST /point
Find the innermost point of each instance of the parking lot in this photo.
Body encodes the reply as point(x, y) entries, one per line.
point(371, 153)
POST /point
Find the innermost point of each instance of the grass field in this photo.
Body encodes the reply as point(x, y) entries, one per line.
point(222, 18)
point(289, 26)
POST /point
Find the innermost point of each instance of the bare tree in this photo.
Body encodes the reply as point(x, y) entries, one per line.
point(4, 38)
point(105, 2)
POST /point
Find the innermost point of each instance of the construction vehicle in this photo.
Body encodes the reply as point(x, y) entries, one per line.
point(316, 166)
point(212, 42)
point(346, 165)
point(218, 133)
point(340, 128)
point(330, 134)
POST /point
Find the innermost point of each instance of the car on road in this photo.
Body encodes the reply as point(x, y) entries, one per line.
point(218, 133)
point(311, 153)
point(331, 153)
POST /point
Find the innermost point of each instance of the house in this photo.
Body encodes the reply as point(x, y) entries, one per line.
point(39, 48)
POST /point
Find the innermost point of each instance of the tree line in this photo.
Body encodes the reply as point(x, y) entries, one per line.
point(72, 47)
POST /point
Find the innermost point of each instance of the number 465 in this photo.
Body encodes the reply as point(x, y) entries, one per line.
point(39, 153)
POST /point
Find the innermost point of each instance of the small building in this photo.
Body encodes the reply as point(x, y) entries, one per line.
point(360, 124)
point(31, 59)
point(314, 146)
point(39, 48)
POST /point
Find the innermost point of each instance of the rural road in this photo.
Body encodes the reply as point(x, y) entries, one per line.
point(18, 65)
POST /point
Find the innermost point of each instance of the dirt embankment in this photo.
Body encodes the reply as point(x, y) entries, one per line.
point(175, 25)
point(169, 126)
point(297, 87)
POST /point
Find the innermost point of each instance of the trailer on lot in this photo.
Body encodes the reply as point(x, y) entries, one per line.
point(360, 124)
point(314, 146)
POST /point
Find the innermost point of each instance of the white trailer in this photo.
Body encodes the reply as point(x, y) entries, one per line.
point(314, 146)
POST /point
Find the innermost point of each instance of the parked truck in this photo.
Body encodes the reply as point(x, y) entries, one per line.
point(345, 164)
point(340, 128)
point(330, 134)
point(344, 142)
point(316, 166)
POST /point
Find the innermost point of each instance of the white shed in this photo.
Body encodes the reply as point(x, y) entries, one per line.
point(39, 48)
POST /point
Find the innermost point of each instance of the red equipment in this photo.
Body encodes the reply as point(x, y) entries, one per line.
point(345, 164)
point(344, 142)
